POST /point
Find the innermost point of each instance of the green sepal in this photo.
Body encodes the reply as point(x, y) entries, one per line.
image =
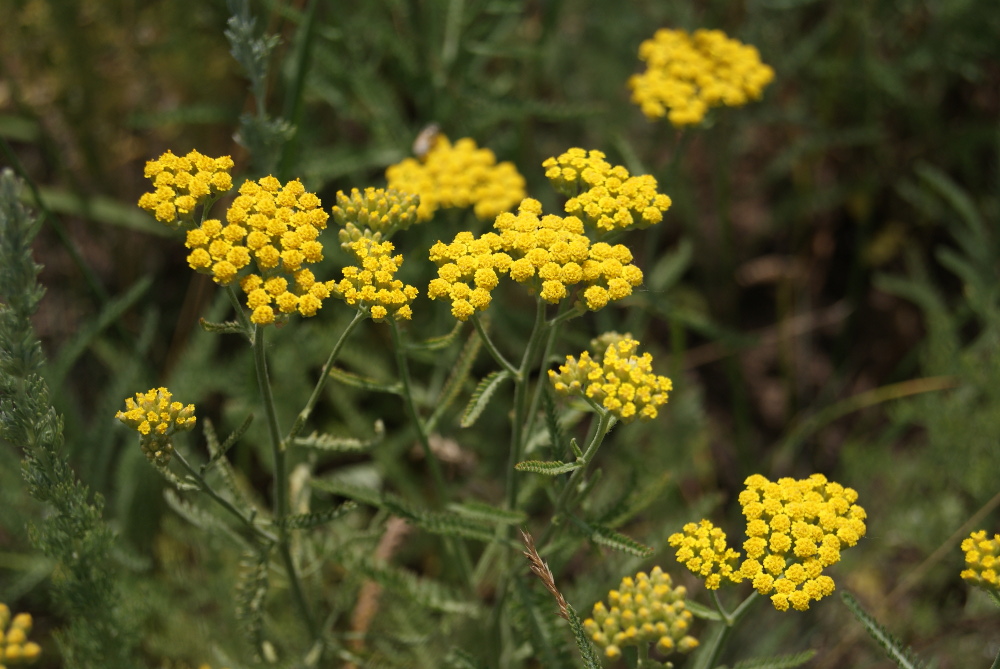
point(364, 383)
point(547, 468)
point(777, 662)
point(305, 521)
point(228, 327)
point(481, 396)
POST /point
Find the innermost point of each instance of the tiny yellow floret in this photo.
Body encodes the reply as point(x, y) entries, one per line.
point(982, 561)
point(156, 418)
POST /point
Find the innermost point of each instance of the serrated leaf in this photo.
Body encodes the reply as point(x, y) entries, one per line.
point(894, 648)
point(228, 327)
point(437, 343)
point(587, 651)
point(702, 611)
point(329, 443)
point(217, 450)
point(305, 521)
point(456, 380)
point(546, 468)
point(364, 383)
point(251, 589)
point(605, 536)
point(481, 396)
point(451, 525)
point(492, 514)
point(777, 662)
point(424, 591)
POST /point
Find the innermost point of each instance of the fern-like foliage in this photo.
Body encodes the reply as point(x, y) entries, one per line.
point(777, 662)
point(902, 655)
point(536, 618)
point(304, 521)
point(101, 630)
point(251, 591)
point(547, 468)
point(482, 395)
point(591, 660)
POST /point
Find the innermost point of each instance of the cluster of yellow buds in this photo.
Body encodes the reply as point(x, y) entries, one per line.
point(606, 197)
point(795, 529)
point(982, 561)
point(460, 175)
point(702, 548)
point(644, 610)
point(373, 285)
point(15, 649)
point(549, 254)
point(156, 418)
point(376, 213)
point(182, 183)
point(277, 227)
point(686, 74)
point(620, 381)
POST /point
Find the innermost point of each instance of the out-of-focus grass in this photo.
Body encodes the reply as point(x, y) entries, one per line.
point(818, 248)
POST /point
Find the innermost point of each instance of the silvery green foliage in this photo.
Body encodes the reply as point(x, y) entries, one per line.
point(100, 630)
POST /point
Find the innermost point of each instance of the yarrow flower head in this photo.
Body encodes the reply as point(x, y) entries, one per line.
point(619, 381)
point(372, 284)
point(686, 74)
point(276, 227)
point(376, 213)
point(182, 183)
point(702, 548)
point(15, 649)
point(156, 418)
point(982, 561)
point(795, 529)
point(645, 609)
point(605, 197)
point(468, 271)
point(460, 175)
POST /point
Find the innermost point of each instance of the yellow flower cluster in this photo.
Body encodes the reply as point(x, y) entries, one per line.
point(549, 254)
point(644, 610)
point(15, 649)
point(373, 285)
point(606, 197)
point(687, 74)
point(460, 175)
point(183, 183)
point(277, 227)
point(982, 561)
point(621, 382)
point(156, 418)
point(703, 550)
point(376, 213)
point(796, 528)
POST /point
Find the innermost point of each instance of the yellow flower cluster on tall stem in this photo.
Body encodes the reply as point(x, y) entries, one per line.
point(686, 74)
point(458, 175)
point(643, 610)
point(982, 561)
point(619, 381)
point(156, 417)
point(795, 529)
point(15, 649)
point(182, 183)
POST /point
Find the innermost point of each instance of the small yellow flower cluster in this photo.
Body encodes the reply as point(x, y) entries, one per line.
point(373, 285)
point(688, 74)
point(277, 227)
point(703, 550)
point(15, 649)
point(549, 254)
point(183, 183)
point(459, 175)
point(644, 610)
point(982, 561)
point(606, 197)
point(620, 382)
point(156, 418)
point(467, 272)
point(796, 528)
point(376, 213)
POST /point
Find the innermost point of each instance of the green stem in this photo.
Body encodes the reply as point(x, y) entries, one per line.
point(241, 316)
point(324, 376)
point(491, 347)
point(710, 655)
point(550, 342)
point(280, 480)
point(204, 486)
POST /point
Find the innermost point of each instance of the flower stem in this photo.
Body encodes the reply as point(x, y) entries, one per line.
point(710, 653)
point(280, 504)
point(324, 376)
point(491, 347)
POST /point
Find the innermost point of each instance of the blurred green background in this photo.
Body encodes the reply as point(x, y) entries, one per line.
point(824, 290)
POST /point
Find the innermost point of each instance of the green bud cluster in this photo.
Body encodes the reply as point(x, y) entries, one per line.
point(375, 214)
point(646, 609)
